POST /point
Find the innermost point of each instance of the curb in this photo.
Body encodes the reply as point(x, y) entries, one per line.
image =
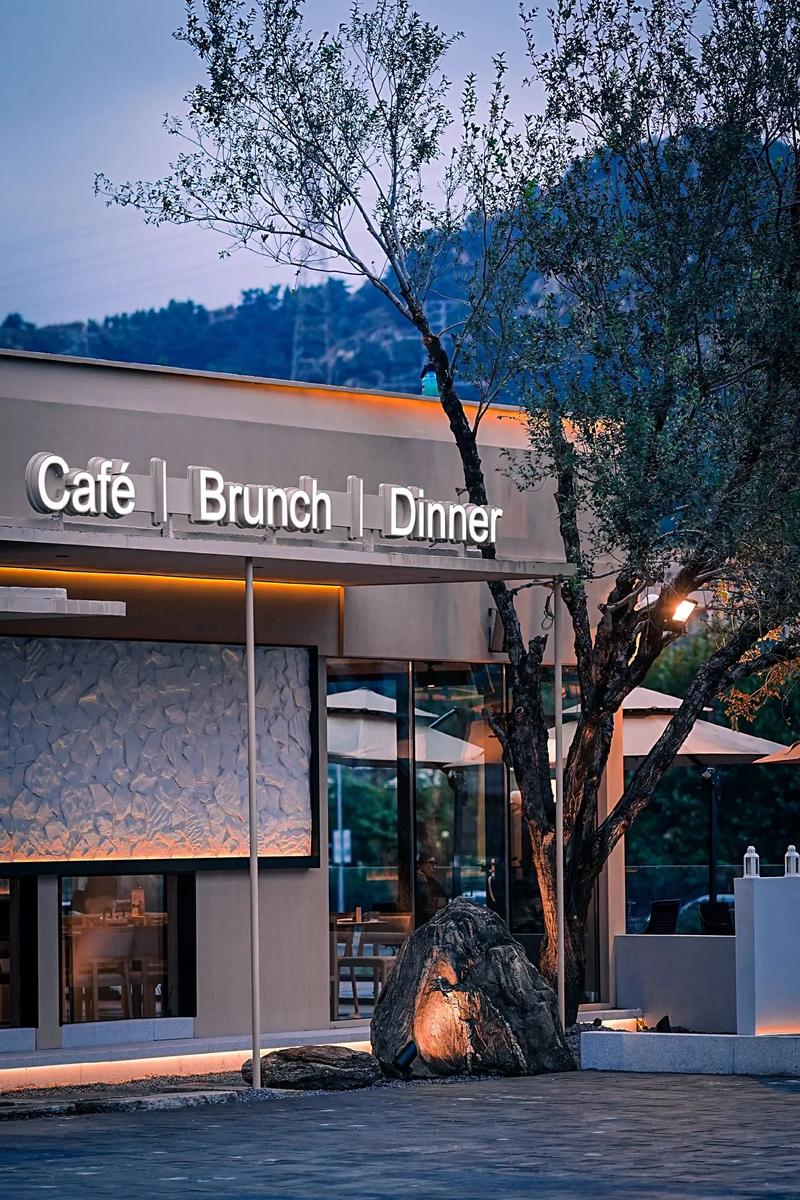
point(27, 1110)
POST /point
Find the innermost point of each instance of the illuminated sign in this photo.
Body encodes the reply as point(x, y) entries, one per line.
point(104, 488)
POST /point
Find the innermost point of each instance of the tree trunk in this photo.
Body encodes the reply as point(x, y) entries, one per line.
point(544, 862)
point(574, 962)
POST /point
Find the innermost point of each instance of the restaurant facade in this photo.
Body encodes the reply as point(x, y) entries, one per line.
point(132, 500)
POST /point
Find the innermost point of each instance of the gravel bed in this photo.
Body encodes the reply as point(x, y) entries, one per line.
point(155, 1085)
point(225, 1081)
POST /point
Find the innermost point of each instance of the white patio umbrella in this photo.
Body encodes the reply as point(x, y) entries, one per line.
point(362, 728)
point(646, 714)
point(787, 754)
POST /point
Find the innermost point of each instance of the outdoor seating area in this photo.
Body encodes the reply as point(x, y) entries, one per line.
point(114, 949)
point(364, 948)
point(716, 917)
point(117, 968)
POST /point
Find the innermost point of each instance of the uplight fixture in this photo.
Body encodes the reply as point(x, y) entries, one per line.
point(683, 611)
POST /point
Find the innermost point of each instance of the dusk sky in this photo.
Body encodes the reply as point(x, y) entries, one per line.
point(84, 86)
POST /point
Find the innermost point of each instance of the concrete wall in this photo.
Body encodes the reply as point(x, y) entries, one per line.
point(165, 608)
point(293, 913)
point(690, 979)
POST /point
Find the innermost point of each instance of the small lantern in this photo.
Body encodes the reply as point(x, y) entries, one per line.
point(791, 861)
point(751, 861)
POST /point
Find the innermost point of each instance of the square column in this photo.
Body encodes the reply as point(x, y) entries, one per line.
point(611, 884)
point(767, 955)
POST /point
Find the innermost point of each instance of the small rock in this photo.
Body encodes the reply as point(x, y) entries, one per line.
point(316, 1068)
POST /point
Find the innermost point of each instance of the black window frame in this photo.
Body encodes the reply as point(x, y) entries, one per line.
point(183, 927)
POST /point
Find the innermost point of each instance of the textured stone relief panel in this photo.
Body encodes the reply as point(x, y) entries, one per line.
point(115, 749)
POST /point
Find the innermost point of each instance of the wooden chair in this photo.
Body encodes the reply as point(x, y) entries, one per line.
point(101, 958)
point(341, 948)
point(149, 970)
point(348, 956)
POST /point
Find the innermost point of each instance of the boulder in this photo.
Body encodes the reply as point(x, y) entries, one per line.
point(464, 992)
point(315, 1068)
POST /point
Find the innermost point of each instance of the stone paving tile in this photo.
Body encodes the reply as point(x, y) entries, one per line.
point(592, 1136)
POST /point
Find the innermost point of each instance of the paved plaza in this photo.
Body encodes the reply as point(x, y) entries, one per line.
point(582, 1135)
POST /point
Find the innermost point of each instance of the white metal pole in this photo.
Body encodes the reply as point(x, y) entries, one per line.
point(559, 727)
point(255, 966)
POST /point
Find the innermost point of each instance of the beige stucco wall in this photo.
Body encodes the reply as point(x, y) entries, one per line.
point(268, 432)
point(293, 915)
point(293, 912)
point(271, 432)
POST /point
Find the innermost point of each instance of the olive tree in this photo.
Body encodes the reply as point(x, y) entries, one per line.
point(661, 368)
point(625, 261)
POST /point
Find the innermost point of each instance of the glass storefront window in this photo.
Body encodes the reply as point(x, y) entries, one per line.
point(18, 952)
point(119, 947)
point(369, 828)
point(416, 809)
point(459, 787)
point(7, 954)
point(526, 922)
point(525, 916)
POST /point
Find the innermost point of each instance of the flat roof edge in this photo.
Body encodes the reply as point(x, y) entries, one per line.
point(332, 564)
point(230, 377)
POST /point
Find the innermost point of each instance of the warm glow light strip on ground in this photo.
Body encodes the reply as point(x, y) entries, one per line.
point(14, 1079)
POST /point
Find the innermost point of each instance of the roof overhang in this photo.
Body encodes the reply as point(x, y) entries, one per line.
point(134, 550)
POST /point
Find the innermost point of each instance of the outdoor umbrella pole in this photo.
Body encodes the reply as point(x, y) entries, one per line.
point(559, 731)
point(255, 968)
point(711, 781)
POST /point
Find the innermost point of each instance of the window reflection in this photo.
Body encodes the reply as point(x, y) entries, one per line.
point(9, 953)
point(459, 787)
point(369, 828)
point(18, 952)
point(6, 954)
point(416, 809)
point(115, 947)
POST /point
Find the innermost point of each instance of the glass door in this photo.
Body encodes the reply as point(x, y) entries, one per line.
point(460, 788)
point(369, 828)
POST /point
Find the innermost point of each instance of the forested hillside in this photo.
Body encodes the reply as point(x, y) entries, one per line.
point(321, 334)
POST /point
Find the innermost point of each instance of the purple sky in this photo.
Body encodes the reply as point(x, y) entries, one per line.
point(84, 85)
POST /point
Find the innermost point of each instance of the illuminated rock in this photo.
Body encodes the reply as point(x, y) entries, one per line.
point(463, 991)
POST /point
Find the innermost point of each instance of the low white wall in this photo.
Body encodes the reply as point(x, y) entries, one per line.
point(690, 1053)
point(691, 979)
